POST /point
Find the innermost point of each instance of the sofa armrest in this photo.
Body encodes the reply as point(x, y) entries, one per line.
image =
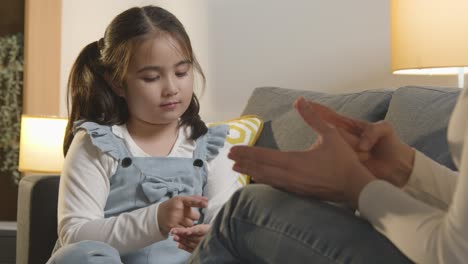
point(37, 218)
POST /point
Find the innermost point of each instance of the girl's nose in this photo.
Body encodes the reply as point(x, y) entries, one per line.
point(170, 88)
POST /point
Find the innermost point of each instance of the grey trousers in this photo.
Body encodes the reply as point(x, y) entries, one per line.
point(261, 224)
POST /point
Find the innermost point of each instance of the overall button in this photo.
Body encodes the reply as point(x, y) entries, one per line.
point(198, 163)
point(126, 162)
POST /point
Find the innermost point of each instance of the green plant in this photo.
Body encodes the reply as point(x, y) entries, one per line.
point(11, 87)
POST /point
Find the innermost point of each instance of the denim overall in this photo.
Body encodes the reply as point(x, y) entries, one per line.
point(141, 181)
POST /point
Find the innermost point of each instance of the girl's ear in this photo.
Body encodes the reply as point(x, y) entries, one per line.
point(118, 89)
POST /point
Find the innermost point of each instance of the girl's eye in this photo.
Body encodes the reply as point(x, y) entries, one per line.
point(150, 79)
point(181, 74)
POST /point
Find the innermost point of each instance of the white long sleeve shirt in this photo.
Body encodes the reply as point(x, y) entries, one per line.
point(428, 219)
point(84, 188)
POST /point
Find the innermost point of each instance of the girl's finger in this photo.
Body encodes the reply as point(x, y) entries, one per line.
point(187, 222)
point(193, 239)
point(191, 213)
point(194, 201)
point(183, 247)
point(180, 231)
point(188, 243)
point(198, 230)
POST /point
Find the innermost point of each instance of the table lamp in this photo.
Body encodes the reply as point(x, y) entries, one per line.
point(41, 144)
point(430, 37)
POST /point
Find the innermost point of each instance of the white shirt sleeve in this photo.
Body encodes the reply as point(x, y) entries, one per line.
point(84, 188)
point(424, 232)
point(431, 182)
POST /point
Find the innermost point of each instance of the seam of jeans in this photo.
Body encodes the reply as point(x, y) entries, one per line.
point(317, 252)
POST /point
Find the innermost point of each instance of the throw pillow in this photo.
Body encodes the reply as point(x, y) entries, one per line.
point(242, 131)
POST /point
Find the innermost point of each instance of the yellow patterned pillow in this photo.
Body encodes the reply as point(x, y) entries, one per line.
point(222, 180)
point(244, 130)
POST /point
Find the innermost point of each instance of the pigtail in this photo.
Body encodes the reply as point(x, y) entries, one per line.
point(192, 118)
point(89, 95)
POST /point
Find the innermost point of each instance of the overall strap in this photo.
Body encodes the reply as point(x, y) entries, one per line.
point(208, 145)
point(104, 139)
point(200, 148)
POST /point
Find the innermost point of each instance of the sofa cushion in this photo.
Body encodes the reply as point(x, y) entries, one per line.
point(420, 116)
point(284, 129)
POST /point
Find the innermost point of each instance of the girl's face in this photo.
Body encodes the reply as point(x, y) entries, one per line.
point(159, 82)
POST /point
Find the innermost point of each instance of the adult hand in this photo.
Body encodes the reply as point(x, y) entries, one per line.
point(329, 170)
point(380, 149)
point(178, 212)
point(188, 238)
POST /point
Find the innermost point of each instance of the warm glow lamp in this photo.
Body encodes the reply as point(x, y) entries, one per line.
point(430, 37)
point(41, 144)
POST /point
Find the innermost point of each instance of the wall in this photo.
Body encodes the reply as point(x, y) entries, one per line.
point(324, 45)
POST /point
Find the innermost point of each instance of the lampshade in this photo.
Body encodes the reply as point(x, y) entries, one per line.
point(41, 144)
point(429, 36)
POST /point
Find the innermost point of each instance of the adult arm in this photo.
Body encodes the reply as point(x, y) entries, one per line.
point(431, 182)
point(423, 232)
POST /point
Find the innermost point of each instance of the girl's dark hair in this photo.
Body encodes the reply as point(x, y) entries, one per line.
point(106, 61)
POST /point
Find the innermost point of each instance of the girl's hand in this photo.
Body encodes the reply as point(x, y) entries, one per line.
point(178, 212)
point(188, 238)
point(377, 144)
point(329, 170)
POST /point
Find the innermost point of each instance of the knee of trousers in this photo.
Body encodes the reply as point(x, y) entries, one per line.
point(261, 195)
point(256, 197)
point(87, 251)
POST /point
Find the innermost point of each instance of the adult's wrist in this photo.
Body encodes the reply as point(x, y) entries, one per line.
point(357, 183)
point(404, 166)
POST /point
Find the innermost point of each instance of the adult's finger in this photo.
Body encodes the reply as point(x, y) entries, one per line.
point(311, 117)
point(276, 175)
point(350, 138)
point(354, 126)
point(259, 155)
point(373, 133)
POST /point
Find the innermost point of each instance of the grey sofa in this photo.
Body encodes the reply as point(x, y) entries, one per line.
point(419, 114)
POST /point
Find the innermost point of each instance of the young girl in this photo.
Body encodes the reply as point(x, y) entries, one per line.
point(137, 153)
